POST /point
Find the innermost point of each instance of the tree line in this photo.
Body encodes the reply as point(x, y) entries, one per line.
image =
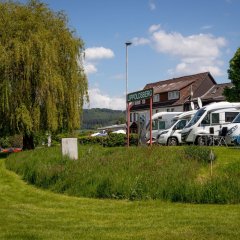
point(100, 117)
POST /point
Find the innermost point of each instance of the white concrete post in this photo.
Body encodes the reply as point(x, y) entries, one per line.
point(70, 148)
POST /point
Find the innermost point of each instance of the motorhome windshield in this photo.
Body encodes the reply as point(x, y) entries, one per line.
point(173, 122)
point(237, 119)
point(196, 117)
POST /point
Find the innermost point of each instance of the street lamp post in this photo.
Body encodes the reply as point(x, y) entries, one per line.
point(128, 43)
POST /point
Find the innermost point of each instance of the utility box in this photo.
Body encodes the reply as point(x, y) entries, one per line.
point(70, 148)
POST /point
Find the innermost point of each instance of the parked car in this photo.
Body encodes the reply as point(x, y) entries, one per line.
point(99, 134)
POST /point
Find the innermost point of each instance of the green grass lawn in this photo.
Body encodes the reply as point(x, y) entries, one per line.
point(30, 213)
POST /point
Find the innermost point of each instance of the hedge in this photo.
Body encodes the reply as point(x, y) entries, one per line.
point(111, 140)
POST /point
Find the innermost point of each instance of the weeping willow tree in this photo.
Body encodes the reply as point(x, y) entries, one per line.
point(42, 82)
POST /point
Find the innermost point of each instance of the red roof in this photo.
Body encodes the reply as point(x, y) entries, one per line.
point(179, 83)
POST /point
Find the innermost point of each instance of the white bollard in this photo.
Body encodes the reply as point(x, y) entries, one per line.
point(70, 148)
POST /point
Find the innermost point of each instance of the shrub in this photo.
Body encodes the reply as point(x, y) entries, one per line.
point(4, 142)
point(11, 141)
point(88, 140)
point(111, 140)
point(198, 153)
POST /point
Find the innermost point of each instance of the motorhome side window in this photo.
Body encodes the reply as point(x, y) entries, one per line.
point(215, 118)
point(237, 119)
point(161, 125)
point(206, 120)
point(229, 116)
point(155, 124)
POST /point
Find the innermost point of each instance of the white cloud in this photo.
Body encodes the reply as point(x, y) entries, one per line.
point(196, 53)
point(93, 55)
point(89, 68)
point(154, 28)
point(100, 100)
point(206, 27)
point(140, 41)
point(152, 5)
point(120, 76)
point(195, 67)
point(193, 46)
point(96, 53)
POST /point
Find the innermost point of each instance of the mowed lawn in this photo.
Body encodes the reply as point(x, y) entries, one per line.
point(30, 213)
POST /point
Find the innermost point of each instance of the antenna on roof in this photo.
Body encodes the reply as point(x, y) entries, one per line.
point(192, 105)
point(191, 92)
point(199, 102)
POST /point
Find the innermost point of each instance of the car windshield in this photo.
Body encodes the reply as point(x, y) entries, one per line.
point(237, 119)
point(196, 117)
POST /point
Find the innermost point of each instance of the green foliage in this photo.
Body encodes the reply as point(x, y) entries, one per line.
point(88, 140)
point(167, 173)
point(4, 142)
point(97, 117)
point(11, 141)
point(199, 153)
point(111, 140)
point(233, 94)
point(42, 81)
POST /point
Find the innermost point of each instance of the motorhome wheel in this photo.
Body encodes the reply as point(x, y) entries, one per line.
point(200, 141)
point(172, 141)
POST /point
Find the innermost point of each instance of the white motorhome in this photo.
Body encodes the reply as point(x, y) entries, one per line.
point(211, 117)
point(160, 121)
point(172, 135)
point(233, 131)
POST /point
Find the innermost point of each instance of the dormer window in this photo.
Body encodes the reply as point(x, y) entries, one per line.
point(173, 95)
point(156, 98)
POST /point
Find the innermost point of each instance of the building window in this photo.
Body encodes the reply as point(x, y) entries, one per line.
point(137, 102)
point(156, 98)
point(143, 101)
point(173, 95)
point(133, 117)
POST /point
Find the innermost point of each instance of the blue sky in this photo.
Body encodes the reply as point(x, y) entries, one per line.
point(170, 38)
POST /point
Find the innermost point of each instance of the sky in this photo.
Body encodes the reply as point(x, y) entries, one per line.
point(170, 38)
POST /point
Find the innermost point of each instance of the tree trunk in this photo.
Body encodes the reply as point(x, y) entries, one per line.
point(28, 142)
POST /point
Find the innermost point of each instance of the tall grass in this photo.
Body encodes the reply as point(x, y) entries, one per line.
point(174, 174)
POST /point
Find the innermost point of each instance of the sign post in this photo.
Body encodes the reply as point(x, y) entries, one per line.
point(137, 96)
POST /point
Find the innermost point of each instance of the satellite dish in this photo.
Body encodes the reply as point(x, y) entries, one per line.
point(192, 105)
point(199, 102)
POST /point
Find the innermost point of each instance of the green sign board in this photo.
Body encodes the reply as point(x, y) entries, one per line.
point(140, 95)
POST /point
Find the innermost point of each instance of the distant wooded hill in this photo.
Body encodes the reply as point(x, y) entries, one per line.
point(100, 117)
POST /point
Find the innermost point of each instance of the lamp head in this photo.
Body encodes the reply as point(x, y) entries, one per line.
point(128, 43)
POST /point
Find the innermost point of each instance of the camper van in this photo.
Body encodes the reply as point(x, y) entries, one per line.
point(233, 131)
point(209, 118)
point(160, 121)
point(172, 135)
